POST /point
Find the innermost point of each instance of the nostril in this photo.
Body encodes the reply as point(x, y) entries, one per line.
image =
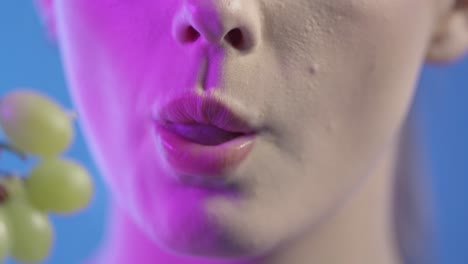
point(235, 38)
point(190, 34)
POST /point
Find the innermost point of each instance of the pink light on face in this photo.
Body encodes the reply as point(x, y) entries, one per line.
point(121, 59)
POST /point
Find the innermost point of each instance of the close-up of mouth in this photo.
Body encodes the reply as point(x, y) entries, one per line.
point(201, 114)
point(201, 136)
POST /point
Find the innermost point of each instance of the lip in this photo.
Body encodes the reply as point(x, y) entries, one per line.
point(206, 110)
point(195, 163)
point(193, 159)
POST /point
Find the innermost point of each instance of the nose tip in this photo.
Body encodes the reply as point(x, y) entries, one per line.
point(217, 24)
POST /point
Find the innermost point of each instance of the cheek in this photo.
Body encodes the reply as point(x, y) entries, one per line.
point(387, 48)
point(369, 77)
point(117, 60)
point(345, 113)
point(368, 55)
point(97, 62)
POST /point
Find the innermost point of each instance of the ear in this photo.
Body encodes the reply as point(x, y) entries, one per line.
point(450, 40)
point(47, 13)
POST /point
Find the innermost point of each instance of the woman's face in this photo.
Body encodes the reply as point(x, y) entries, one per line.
point(325, 84)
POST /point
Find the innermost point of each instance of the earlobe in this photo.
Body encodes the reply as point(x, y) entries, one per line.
point(46, 11)
point(450, 40)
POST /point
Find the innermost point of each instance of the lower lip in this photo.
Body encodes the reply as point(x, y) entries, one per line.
point(208, 162)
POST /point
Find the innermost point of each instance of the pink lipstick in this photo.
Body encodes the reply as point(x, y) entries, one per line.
point(201, 137)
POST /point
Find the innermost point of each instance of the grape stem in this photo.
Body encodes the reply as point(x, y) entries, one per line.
point(9, 147)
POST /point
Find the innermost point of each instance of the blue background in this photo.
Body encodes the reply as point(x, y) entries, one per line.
point(28, 59)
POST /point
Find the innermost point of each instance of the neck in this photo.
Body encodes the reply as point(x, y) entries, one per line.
point(361, 231)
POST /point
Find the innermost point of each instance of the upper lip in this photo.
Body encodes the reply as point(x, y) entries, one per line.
point(207, 110)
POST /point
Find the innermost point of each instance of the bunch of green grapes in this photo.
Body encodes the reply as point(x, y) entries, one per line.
point(35, 125)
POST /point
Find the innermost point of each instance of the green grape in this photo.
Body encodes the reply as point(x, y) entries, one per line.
point(31, 231)
point(59, 185)
point(34, 123)
point(5, 243)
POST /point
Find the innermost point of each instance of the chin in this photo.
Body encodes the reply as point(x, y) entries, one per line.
point(204, 244)
point(193, 234)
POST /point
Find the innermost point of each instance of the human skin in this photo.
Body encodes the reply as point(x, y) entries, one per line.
point(327, 83)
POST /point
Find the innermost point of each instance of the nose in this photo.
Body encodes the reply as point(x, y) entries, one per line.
point(231, 23)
